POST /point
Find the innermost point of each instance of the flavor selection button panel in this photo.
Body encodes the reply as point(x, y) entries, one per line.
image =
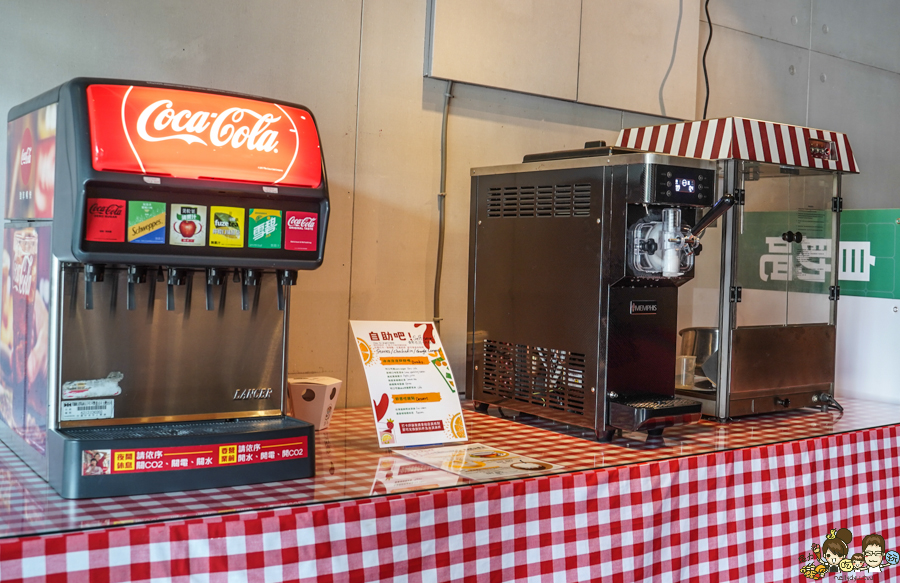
point(110, 220)
point(146, 222)
point(227, 226)
point(302, 231)
point(187, 225)
point(264, 229)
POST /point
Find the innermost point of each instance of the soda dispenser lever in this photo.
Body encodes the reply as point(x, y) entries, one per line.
point(135, 275)
point(176, 277)
point(92, 273)
point(214, 276)
point(250, 277)
point(285, 277)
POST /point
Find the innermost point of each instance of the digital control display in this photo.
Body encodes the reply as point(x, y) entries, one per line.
point(685, 185)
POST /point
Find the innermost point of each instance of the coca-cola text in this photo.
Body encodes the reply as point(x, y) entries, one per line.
point(23, 274)
point(188, 127)
point(305, 223)
point(199, 135)
point(111, 210)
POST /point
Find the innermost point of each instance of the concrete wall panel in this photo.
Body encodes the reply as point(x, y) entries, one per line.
point(862, 102)
point(523, 45)
point(785, 21)
point(863, 31)
point(639, 56)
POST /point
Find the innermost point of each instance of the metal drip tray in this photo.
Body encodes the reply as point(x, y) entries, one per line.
point(239, 426)
point(652, 413)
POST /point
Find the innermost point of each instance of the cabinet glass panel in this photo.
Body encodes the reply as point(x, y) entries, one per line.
point(763, 257)
point(812, 273)
point(786, 246)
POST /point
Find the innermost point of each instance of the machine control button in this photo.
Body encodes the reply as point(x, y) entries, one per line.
point(668, 175)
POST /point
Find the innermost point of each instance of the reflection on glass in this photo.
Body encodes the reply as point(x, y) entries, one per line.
point(786, 247)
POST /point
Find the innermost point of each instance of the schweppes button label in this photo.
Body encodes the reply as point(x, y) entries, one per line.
point(146, 222)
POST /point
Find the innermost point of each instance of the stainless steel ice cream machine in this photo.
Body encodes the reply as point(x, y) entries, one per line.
point(575, 262)
point(760, 319)
point(584, 264)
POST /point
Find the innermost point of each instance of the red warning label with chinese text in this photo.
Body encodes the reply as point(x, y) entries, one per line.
point(207, 456)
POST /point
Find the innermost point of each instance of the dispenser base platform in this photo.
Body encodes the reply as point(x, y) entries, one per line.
point(169, 457)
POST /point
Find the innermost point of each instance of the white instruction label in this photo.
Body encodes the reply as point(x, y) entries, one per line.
point(83, 410)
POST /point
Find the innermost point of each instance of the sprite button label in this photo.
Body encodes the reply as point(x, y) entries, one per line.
point(227, 226)
point(146, 222)
point(264, 229)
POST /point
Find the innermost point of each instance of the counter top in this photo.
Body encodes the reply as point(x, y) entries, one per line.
point(349, 465)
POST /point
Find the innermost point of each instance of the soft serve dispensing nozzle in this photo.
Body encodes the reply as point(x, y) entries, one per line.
point(673, 242)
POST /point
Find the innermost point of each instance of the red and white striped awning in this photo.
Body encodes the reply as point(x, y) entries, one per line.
point(745, 139)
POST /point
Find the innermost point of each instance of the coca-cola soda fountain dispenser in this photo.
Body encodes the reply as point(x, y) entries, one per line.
point(153, 233)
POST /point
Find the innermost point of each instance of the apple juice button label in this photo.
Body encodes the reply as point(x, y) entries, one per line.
point(227, 226)
point(188, 225)
point(264, 229)
point(105, 220)
point(146, 222)
point(301, 231)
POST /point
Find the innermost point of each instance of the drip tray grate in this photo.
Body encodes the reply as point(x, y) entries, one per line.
point(189, 428)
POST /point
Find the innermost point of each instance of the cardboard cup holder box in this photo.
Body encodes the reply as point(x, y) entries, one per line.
point(313, 399)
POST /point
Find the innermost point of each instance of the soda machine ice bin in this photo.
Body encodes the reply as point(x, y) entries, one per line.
point(574, 267)
point(778, 285)
point(153, 233)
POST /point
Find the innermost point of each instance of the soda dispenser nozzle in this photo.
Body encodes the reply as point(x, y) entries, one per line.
point(214, 276)
point(285, 277)
point(249, 277)
point(177, 276)
point(92, 273)
point(135, 275)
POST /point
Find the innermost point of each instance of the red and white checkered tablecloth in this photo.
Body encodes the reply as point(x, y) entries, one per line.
point(348, 459)
point(734, 515)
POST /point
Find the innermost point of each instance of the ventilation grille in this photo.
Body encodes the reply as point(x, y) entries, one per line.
point(546, 377)
point(562, 200)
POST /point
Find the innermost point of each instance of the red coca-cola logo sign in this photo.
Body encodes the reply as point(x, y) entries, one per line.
point(26, 151)
point(231, 127)
point(305, 223)
point(191, 134)
point(109, 210)
point(301, 232)
point(23, 274)
point(105, 220)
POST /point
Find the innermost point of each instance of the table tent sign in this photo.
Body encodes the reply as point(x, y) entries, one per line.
point(414, 396)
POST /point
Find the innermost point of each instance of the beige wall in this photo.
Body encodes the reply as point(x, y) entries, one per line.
point(358, 66)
